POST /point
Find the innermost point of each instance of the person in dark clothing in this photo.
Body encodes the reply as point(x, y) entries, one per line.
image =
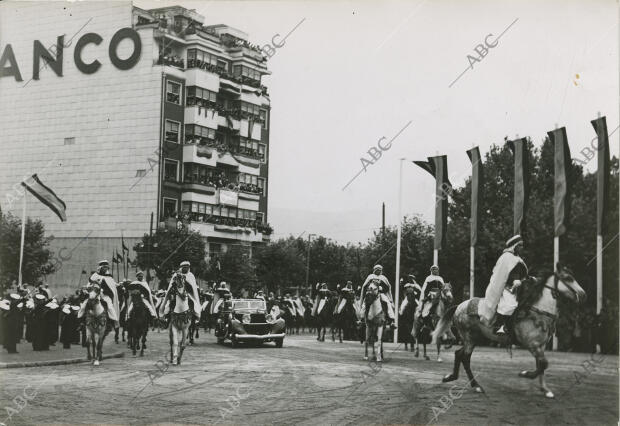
point(51, 321)
point(7, 325)
point(40, 339)
point(69, 326)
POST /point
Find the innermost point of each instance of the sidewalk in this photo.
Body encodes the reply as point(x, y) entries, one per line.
point(56, 355)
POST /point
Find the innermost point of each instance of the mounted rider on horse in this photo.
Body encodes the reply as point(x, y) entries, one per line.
point(385, 293)
point(430, 293)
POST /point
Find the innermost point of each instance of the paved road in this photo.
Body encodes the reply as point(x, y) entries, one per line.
point(308, 383)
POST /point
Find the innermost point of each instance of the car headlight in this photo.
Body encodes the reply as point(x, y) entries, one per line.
point(246, 318)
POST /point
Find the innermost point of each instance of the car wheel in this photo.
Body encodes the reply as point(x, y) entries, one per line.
point(279, 342)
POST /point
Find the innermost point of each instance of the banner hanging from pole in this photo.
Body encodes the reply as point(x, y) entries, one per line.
point(46, 196)
point(602, 173)
point(476, 193)
point(521, 190)
point(561, 192)
point(438, 168)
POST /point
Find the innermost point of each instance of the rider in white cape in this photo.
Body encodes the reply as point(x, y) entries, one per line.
point(149, 303)
point(384, 288)
point(507, 275)
point(108, 290)
point(193, 295)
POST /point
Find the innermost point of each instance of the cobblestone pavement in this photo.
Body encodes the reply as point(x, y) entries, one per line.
point(309, 383)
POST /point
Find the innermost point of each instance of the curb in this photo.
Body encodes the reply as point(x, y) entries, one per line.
point(55, 362)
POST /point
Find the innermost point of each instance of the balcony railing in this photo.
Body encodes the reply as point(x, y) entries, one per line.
point(255, 225)
point(173, 61)
point(218, 144)
point(197, 63)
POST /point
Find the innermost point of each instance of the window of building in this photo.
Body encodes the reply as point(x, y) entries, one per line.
point(170, 207)
point(198, 134)
point(224, 211)
point(215, 248)
point(243, 71)
point(140, 172)
point(260, 216)
point(261, 185)
point(171, 170)
point(186, 206)
point(262, 152)
point(264, 115)
point(223, 64)
point(172, 131)
point(197, 58)
point(69, 141)
point(173, 92)
point(200, 96)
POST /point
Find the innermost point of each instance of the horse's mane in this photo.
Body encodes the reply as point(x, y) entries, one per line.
point(531, 290)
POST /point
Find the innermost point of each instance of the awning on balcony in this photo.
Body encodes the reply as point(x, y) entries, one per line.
point(228, 159)
point(228, 86)
point(204, 151)
point(247, 161)
point(235, 229)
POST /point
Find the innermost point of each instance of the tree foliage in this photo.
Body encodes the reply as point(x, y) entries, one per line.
point(37, 257)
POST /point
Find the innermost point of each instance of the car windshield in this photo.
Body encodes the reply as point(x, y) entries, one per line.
point(251, 305)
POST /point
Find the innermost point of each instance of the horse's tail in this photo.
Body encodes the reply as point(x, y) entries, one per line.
point(444, 323)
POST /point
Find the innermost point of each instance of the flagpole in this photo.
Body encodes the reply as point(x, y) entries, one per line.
point(21, 247)
point(435, 253)
point(398, 237)
point(556, 259)
point(472, 256)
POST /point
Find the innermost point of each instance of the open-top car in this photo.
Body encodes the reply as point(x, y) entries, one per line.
point(247, 320)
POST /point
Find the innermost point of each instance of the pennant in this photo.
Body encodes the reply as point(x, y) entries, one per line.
point(476, 193)
point(119, 258)
point(46, 196)
point(602, 173)
point(438, 168)
point(125, 249)
point(521, 190)
point(561, 197)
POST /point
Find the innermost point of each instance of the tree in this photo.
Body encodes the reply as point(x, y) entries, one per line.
point(167, 248)
point(38, 258)
point(237, 268)
point(280, 264)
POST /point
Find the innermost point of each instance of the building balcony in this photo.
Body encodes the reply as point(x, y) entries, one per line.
point(206, 116)
point(203, 187)
point(229, 228)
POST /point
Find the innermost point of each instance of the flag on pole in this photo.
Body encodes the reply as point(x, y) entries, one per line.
point(119, 258)
point(521, 180)
point(476, 193)
point(46, 196)
point(602, 173)
point(114, 257)
point(561, 192)
point(125, 249)
point(438, 168)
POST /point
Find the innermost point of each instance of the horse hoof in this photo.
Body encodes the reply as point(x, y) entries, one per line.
point(549, 394)
point(365, 358)
point(439, 360)
point(426, 358)
point(96, 362)
point(478, 389)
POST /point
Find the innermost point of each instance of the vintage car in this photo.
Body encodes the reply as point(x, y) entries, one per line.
point(247, 320)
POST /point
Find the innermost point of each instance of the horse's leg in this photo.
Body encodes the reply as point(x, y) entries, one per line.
point(134, 344)
point(146, 330)
point(88, 338)
point(366, 343)
point(340, 334)
point(318, 337)
point(541, 366)
point(184, 332)
point(439, 351)
point(100, 346)
point(379, 343)
point(468, 348)
point(425, 356)
point(458, 359)
point(172, 336)
point(116, 334)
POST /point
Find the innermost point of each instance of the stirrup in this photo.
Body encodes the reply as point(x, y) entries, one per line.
point(501, 331)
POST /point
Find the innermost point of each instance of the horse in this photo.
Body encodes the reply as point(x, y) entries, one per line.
point(375, 319)
point(345, 318)
point(406, 319)
point(323, 316)
point(289, 313)
point(180, 318)
point(138, 323)
point(532, 324)
point(96, 321)
point(423, 326)
point(206, 319)
point(123, 302)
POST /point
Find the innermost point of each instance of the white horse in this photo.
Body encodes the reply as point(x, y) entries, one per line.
point(375, 321)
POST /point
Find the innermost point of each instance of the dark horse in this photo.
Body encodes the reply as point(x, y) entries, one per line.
point(533, 323)
point(406, 316)
point(345, 318)
point(138, 322)
point(289, 313)
point(323, 313)
point(123, 301)
point(425, 320)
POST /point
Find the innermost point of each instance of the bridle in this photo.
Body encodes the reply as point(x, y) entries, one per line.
point(555, 292)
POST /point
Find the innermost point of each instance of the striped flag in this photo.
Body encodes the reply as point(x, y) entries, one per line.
point(476, 193)
point(438, 168)
point(561, 193)
point(46, 196)
point(521, 190)
point(602, 173)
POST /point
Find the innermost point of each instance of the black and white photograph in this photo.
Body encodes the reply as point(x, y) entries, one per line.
point(309, 212)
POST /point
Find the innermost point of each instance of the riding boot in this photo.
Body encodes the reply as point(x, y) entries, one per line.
point(500, 324)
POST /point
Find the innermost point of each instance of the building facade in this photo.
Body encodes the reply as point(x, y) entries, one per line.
point(126, 114)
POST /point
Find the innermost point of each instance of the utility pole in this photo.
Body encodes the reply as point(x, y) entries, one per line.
point(308, 261)
point(383, 219)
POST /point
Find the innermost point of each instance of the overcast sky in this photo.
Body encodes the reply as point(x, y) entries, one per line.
point(354, 72)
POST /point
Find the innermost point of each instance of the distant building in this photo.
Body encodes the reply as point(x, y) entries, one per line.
point(145, 111)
